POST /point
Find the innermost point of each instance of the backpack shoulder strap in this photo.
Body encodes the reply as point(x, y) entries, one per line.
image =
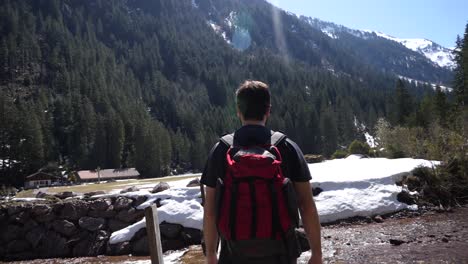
point(227, 139)
point(277, 138)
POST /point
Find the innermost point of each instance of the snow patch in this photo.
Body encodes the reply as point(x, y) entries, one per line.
point(27, 199)
point(179, 205)
point(358, 186)
point(219, 30)
point(433, 85)
point(370, 140)
point(355, 186)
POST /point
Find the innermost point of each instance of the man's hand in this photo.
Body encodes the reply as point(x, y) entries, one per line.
point(310, 220)
point(315, 259)
point(209, 226)
point(211, 259)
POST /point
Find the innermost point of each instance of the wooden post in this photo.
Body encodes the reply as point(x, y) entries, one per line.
point(154, 235)
point(202, 191)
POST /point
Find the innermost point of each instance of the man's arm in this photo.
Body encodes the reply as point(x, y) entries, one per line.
point(209, 226)
point(310, 219)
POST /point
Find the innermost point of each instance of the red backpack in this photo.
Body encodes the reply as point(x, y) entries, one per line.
point(255, 202)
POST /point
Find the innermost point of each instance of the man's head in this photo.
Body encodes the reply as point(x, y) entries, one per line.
point(253, 102)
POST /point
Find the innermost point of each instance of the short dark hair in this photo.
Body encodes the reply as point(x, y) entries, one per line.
point(253, 99)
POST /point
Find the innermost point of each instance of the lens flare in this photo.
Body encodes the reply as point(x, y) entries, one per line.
point(278, 30)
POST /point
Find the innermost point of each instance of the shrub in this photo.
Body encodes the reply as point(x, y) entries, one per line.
point(311, 158)
point(444, 185)
point(339, 154)
point(358, 147)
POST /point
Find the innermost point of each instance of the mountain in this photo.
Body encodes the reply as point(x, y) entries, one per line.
point(150, 83)
point(418, 59)
point(436, 53)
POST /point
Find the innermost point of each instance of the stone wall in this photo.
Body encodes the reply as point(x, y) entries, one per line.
point(78, 228)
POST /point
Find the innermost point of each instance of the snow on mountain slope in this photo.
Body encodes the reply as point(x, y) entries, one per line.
point(440, 55)
point(433, 85)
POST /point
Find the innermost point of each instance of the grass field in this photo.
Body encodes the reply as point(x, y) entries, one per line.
point(104, 186)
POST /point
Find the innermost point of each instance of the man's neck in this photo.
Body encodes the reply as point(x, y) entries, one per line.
point(253, 122)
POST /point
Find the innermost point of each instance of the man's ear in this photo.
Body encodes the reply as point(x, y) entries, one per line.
point(239, 114)
point(268, 113)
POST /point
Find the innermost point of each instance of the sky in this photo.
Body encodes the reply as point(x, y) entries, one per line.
point(437, 20)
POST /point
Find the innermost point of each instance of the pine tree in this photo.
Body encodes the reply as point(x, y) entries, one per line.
point(329, 132)
point(441, 106)
point(115, 141)
point(403, 103)
point(461, 70)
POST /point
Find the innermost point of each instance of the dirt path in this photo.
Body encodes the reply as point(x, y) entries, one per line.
point(431, 238)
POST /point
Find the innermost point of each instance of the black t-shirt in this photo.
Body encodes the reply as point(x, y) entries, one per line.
point(294, 165)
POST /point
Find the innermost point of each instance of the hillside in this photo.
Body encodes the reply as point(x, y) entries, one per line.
point(418, 59)
point(150, 83)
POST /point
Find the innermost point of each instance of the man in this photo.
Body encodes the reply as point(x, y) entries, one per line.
point(253, 110)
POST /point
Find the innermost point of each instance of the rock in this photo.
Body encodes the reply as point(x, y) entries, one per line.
point(40, 194)
point(91, 194)
point(119, 249)
point(445, 240)
point(29, 225)
point(91, 223)
point(11, 232)
point(115, 225)
point(314, 158)
point(17, 246)
point(46, 218)
point(77, 238)
point(191, 236)
point(396, 242)
point(36, 235)
point(122, 203)
point(52, 245)
point(57, 207)
point(158, 202)
point(172, 244)
point(130, 216)
point(405, 197)
point(378, 219)
point(3, 216)
point(65, 195)
point(194, 183)
point(25, 255)
point(64, 227)
point(139, 234)
point(130, 189)
point(74, 210)
point(47, 196)
point(139, 200)
point(21, 217)
point(162, 186)
point(93, 245)
point(170, 231)
point(100, 204)
point(368, 219)
point(15, 209)
point(109, 213)
point(316, 191)
point(140, 247)
point(41, 209)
